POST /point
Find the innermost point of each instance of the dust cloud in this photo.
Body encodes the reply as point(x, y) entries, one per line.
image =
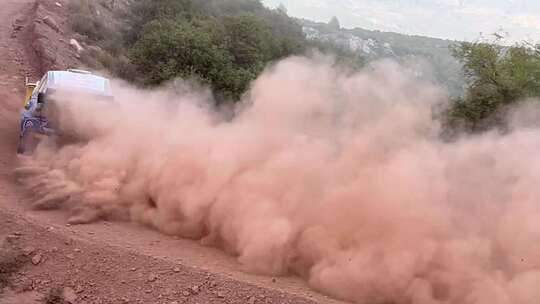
point(338, 177)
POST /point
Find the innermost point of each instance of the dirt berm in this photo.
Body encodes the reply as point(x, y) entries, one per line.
point(42, 260)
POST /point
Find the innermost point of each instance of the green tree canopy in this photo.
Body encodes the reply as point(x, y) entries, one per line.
point(225, 44)
point(499, 77)
point(249, 41)
point(143, 12)
point(282, 8)
point(169, 49)
point(334, 23)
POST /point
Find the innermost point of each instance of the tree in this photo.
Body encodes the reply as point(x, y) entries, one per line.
point(282, 9)
point(169, 49)
point(223, 43)
point(221, 8)
point(499, 77)
point(249, 41)
point(142, 12)
point(334, 23)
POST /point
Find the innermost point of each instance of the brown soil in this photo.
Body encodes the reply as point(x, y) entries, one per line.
point(42, 260)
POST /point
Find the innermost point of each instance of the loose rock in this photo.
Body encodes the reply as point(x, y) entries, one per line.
point(11, 238)
point(29, 250)
point(76, 45)
point(48, 20)
point(69, 295)
point(79, 289)
point(36, 259)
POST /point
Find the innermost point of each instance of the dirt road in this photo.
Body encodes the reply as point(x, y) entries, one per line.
point(43, 259)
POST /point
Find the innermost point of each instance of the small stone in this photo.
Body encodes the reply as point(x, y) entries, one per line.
point(133, 269)
point(70, 256)
point(48, 20)
point(152, 278)
point(18, 233)
point(220, 294)
point(36, 259)
point(176, 269)
point(78, 250)
point(79, 289)
point(58, 4)
point(29, 250)
point(11, 238)
point(28, 286)
point(185, 293)
point(76, 45)
point(195, 289)
point(69, 295)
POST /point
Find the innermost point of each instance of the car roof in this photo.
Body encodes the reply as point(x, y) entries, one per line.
point(79, 81)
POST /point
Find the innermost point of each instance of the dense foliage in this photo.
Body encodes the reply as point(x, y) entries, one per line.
point(498, 78)
point(223, 43)
point(226, 44)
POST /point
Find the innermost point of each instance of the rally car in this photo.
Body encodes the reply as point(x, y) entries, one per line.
point(35, 117)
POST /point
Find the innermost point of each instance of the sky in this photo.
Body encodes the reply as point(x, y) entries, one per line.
point(450, 19)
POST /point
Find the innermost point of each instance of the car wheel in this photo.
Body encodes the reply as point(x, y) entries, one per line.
point(26, 144)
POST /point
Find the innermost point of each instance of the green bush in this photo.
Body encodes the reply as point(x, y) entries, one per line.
point(226, 53)
point(225, 44)
point(498, 77)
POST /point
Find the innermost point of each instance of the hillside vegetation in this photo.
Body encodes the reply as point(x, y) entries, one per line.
point(498, 79)
point(223, 43)
point(227, 43)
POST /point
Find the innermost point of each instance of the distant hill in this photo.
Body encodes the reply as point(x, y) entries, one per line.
point(431, 54)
